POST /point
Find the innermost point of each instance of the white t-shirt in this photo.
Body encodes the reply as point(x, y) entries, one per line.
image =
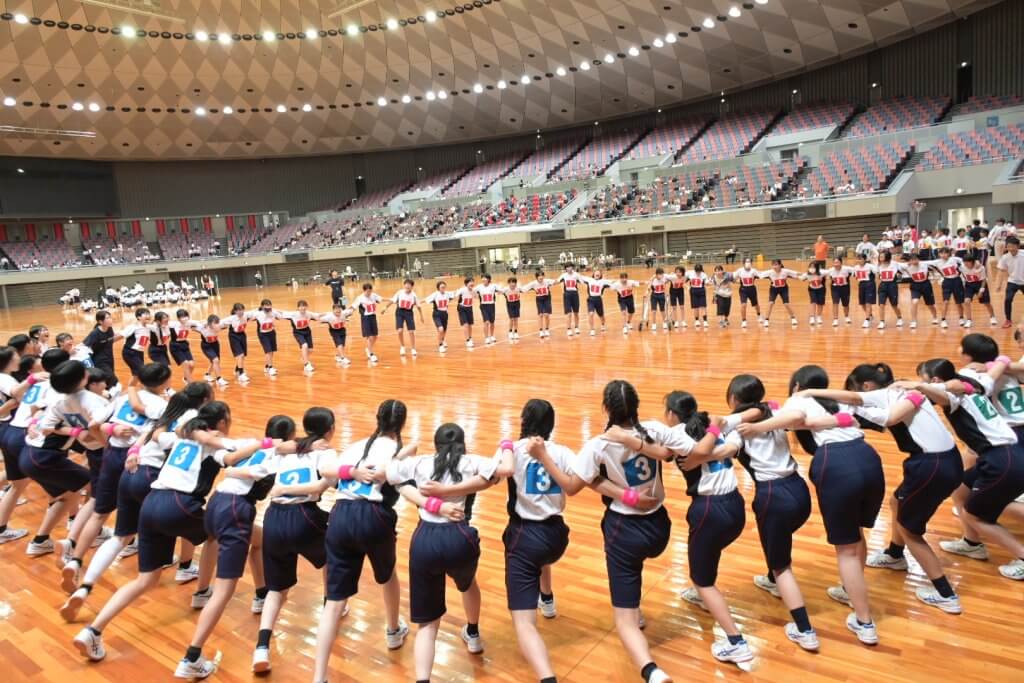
point(420, 469)
point(924, 427)
point(300, 468)
point(265, 319)
point(79, 409)
point(184, 465)
point(488, 293)
point(122, 413)
point(335, 321)
point(808, 407)
point(7, 384)
point(136, 337)
point(1014, 266)
point(625, 289)
point(570, 280)
point(262, 464)
point(535, 494)
point(439, 300)
point(464, 296)
point(367, 305)
point(382, 450)
point(766, 456)
point(36, 397)
point(405, 300)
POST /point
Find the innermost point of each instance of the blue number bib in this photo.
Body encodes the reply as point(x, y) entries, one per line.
point(539, 482)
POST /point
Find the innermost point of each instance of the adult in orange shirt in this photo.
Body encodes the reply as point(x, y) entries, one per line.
point(821, 251)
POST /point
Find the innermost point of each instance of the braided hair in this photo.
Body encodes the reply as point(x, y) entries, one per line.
point(391, 416)
point(622, 404)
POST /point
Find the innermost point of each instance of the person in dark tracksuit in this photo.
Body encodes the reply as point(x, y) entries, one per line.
point(848, 479)
point(362, 526)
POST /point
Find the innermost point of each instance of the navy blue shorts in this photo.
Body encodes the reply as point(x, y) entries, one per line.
point(94, 460)
point(288, 532)
point(229, 519)
point(133, 359)
point(888, 292)
point(513, 309)
point(778, 292)
point(368, 323)
point(544, 305)
point(715, 522)
point(338, 337)
point(974, 290)
point(571, 301)
point(841, 295)
point(13, 441)
point(305, 336)
point(995, 481)
point(105, 492)
point(676, 296)
point(529, 547)
point(627, 304)
point(628, 541)
point(437, 551)
point(239, 344)
point(698, 298)
point(131, 492)
point(658, 302)
point(487, 312)
point(268, 341)
point(781, 507)
point(723, 305)
point(850, 487)
point(404, 319)
point(595, 304)
point(52, 470)
point(357, 530)
point(158, 354)
point(928, 479)
point(748, 294)
point(440, 319)
point(922, 290)
point(210, 350)
point(165, 517)
point(465, 315)
point(867, 293)
point(817, 296)
point(953, 287)
point(181, 353)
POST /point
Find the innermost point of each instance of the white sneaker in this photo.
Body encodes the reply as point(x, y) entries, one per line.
point(221, 382)
point(69, 575)
point(930, 596)
point(38, 549)
point(469, 343)
point(261, 660)
point(724, 651)
point(848, 321)
point(568, 332)
point(866, 633)
point(675, 325)
point(968, 323)
point(943, 324)
point(899, 322)
point(808, 640)
point(90, 645)
point(201, 668)
point(913, 324)
point(345, 362)
point(883, 560)
point(9, 535)
point(373, 358)
point(547, 608)
point(993, 322)
point(793, 322)
point(705, 324)
point(397, 639)
point(207, 378)
point(442, 349)
point(593, 333)
point(764, 583)
point(935, 321)
point(866, 324)
point(881, 324)
point(1014, 570)
point(257, 604)
point(819, 320)
point(743, 324)
point(625, 329)
point(682, 324)
point(242, 377)
point(69, 610)
point(62, 552)
point(308, 368)
point(190, 573)
point(105, 534)
point(130, 549)
point(835, 322)
point(414, 354)
point(961, 547)
point(659, 676)
point(765, 323)
point(693, 597)
point(200, 598)
point(474, 644)
point(401, 350)
point(839, 594)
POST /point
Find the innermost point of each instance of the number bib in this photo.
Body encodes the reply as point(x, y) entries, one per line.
point(639, 470)
point(539, 482)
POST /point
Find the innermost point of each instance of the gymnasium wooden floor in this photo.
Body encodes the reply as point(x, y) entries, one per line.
point(483, 391)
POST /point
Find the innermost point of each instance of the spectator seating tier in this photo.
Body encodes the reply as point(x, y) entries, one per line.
point(40, 254)
point(482, 176)
point(378, 198)
point(864, 169)
point(596, 156)
point(811, 116)
point(896, 114)
point(755, 185)
point(975, 147)
point(980, 103)
point(727, 137)
point(668, 139)
point(547, 158)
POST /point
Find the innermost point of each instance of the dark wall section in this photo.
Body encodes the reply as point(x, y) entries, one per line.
point(58, 188)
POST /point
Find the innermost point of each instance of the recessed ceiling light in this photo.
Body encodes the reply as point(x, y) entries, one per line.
point(761, 2)
point(430, 96)
point(200, 111)
point(634, 51)
point(525, 79)
point(269, 36)
point(307, 107)
point(734, 11)
point(442, 94)
point(406, 99)
point(94, 107)
point(228, 110)
point(20, 19)
point(963, 65)
point(874, 85)
point(431, 16)
point(609, 58)
point(281, 109)
point(312, 33)
point(127, 31)
point(9, 102)
point(795, 91)
point(670, 38)
point(560, 71)
point(382, 101)
point(502, 85)
point(202, 36)
point(478, 88)
point(224, 39)
point(352, 29)
point(658, 42)
point(709, 22)
point(584, 66)
point(77, 106)
point(21, 170)
point(392, 24)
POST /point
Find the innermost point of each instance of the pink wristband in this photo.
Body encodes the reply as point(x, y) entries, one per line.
point(968, 388)
point(1005, 360)
point(507, 445)
point(135, 450)
point(345, 472)
point(713, 429)
point(33, 422)
point(75, 431)
point(267, 442)
point(31, 380)
point(630, 497)
point(989, 365)
point(433, 505)
point(774, 405)
point(108, 428)
point(915, 397)
point(844, 420)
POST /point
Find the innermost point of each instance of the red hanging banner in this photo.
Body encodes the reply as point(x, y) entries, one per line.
point(252, 221)
point(230, 222)
point(3, 232)
point(58, 231)
point(137, 228)
point(112, 230)
point(207, 224)
point(84, 229)
point(184, 225)
point(161, 227)
point(30, 232)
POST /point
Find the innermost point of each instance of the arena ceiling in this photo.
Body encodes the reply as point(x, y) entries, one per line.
point(178, 79)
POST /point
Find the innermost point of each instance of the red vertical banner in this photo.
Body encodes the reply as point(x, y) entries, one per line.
point(161, 227)
point(136, 228)
point(230, 222)
point(207, 224)
point(184, 225)
point(83, 227)
point(3, 232)
point(112, 230)
point(252, 221)
point(30, 232)
point(58, 231)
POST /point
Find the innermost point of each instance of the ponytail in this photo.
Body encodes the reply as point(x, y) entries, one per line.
point(210, 415)
point(391, 416)
point(683, 405)
point(318, 422)
point(450, 444)
point(622, 404)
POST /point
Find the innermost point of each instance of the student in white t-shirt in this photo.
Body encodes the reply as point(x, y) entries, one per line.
point(1012, 264)
point(405, 301)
